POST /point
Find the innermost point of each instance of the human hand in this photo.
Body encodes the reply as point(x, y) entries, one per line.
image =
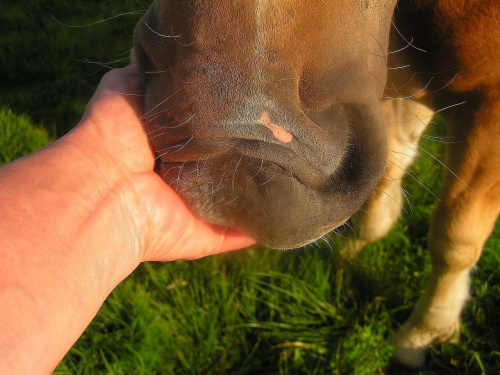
point(167, 230)
point(78, 216)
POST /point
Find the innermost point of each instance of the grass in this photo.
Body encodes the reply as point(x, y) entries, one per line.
point(19, 136)
point(257, 311)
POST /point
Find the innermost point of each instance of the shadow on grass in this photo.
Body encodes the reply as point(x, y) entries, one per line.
point(50, 71)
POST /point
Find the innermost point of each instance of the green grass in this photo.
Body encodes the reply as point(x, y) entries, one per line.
point(257, 311)
point(18, 136)
point(49, 71)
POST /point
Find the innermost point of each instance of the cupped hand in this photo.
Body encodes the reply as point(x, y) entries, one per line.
point(168, 229)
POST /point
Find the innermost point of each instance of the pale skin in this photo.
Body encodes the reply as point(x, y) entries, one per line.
point(77, 218)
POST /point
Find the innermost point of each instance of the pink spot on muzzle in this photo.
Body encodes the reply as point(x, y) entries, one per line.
point(279, 133)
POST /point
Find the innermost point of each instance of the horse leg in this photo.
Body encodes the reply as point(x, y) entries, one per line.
point(405, 120)
point(462, 221)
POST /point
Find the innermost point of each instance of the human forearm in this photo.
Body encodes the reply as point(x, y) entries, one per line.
point(55, 276)
point(77, 217)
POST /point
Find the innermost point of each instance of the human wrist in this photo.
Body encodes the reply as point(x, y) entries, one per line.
point(65, 245)
point(108, 185)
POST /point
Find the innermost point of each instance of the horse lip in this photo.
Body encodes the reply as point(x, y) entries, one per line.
point(204, 191)
point(290, 162)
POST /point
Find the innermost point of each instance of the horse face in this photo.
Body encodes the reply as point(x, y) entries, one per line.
point(265, 114)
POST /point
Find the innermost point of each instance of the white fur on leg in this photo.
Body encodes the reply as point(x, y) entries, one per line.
point(434, 319)
point(405, 121)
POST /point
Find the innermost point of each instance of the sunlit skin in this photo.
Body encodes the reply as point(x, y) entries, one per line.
point(79, 216)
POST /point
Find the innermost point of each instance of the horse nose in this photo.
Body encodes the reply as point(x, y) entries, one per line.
point(307, 144)
point(310, 145)
point(306, 171)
